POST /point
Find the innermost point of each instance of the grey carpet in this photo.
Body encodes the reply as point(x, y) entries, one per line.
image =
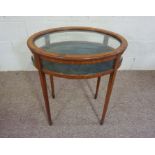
point(75, 112)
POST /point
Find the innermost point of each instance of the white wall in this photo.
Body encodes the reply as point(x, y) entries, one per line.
point(139, 31)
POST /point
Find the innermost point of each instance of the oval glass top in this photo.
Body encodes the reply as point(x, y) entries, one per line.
point(77, 42)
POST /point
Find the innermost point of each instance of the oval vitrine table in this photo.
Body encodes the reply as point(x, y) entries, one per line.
point(77, 53)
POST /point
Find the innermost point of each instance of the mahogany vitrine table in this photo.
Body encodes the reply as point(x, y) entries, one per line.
point(77, 53)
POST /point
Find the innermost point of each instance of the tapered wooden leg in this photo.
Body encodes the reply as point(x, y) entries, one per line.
point(45, 94)
point(97, 87)
point(108, 94)
point(52, 86)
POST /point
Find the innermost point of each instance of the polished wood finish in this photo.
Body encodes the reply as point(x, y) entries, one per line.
point(97, 87)
point(52, 86)
point(44, 88)
point(45, 94)
point(109, 90)
point(40, 54)
point(74, 58)
point(71, 76)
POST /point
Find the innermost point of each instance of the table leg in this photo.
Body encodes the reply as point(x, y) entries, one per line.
point(52, 86)
point(108, 94)
point(45, 94)
point(97, 87)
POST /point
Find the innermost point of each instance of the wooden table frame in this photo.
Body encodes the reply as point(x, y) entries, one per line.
point(40, 54)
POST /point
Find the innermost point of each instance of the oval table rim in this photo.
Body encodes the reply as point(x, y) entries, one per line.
point(75, 57)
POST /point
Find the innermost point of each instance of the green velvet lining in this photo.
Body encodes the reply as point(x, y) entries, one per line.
point(76, 68)
point(77, 48)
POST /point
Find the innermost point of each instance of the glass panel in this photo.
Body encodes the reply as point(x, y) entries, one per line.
point(78, 69)
point(77, 42)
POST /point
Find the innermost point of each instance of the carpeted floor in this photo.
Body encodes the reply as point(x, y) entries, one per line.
point(75, 112)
